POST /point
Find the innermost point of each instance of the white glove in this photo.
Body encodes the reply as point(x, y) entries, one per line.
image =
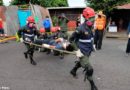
point(79, 53)
point(129, 35)
point(21, 40)
point(94, 47)
point(35, 38)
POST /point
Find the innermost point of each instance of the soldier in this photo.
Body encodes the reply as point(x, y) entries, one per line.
point(83, 38)
point(27, 34)
point(62, 22)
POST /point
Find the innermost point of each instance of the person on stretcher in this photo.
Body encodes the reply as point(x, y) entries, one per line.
point(59, 43)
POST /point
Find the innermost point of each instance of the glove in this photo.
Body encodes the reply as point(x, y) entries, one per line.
point(35, 38)
point(21, 40)
point(94, 47)
point(79, 53)
point(129, 35)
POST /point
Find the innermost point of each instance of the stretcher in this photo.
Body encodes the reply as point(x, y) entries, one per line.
point(63, 51)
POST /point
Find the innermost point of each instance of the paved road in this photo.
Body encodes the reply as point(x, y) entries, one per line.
point(112, 69)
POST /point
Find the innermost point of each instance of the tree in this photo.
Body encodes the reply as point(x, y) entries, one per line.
point(44, 3)
point(53, 3)
point(105, 5)
point(1, 2)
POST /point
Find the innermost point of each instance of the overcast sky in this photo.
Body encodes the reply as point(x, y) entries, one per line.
point(75, 3)
point(6, 2)
point(72, 3)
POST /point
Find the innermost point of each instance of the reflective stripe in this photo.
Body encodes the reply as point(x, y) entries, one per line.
point(80, 40)
point(29, 35)
point(92, 39)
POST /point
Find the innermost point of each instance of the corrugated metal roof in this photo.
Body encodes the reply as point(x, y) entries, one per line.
point(65, 7)
point(125, 6)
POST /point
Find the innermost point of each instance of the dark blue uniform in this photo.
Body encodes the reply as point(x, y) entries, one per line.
point(28, 34)
point(83, 38)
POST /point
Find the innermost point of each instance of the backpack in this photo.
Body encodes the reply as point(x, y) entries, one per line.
point(46, 23)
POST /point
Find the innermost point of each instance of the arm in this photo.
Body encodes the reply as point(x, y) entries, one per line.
point(74, 37)
point(21, 31)
point(48, 46)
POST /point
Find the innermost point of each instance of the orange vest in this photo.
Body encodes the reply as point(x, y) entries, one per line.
point(100, 23)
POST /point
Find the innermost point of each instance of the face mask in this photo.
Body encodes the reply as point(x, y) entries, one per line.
point(31, 25)
point(90, 22)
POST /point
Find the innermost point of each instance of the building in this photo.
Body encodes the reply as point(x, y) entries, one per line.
point(72, 13)
point(121, 16)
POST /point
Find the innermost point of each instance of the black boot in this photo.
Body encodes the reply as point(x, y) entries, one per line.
point(26, 55)
point(32, 61)
point(93, 86)
point(74, 70)
point(31, 58)
point(89, 74)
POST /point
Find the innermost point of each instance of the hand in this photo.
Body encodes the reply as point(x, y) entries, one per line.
point(129, 35)
point(79, 53)
point(94, 47)
point(21, 40)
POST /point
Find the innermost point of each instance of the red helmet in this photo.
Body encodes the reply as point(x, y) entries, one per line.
point(30, 19)
point(58, 28)
point(88, 13)
point(53, 29)
point(42, 30)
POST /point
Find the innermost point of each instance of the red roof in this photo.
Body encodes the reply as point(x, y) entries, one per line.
point(125, 6)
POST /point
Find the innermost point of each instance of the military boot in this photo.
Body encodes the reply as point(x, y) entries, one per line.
point(74, 70)
point(32, 61)
point(26, 55)
point(93, 86)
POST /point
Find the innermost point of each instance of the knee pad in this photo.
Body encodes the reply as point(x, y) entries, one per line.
point(89, 72)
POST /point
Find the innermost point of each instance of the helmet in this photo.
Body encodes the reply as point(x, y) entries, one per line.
point(58, 28)
point(42, 30)
point(53, 29)
point(30, 19)
point(88, 13)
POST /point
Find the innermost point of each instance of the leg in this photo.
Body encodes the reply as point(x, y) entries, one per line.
point(28, 49)
point(31, 52)
point(88, 71)
point(96, 39)
point(89, 74)
point(100, 39)
point(61, 55)
point(128, 47)
point(74, 70)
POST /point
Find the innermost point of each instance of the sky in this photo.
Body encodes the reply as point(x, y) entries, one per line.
point(76, 3)
point(72, 3)
point(6, 2)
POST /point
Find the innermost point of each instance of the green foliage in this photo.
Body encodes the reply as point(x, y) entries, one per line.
point(44, 3)
point(1, 2)
point(106, 5)
point(51, 3)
